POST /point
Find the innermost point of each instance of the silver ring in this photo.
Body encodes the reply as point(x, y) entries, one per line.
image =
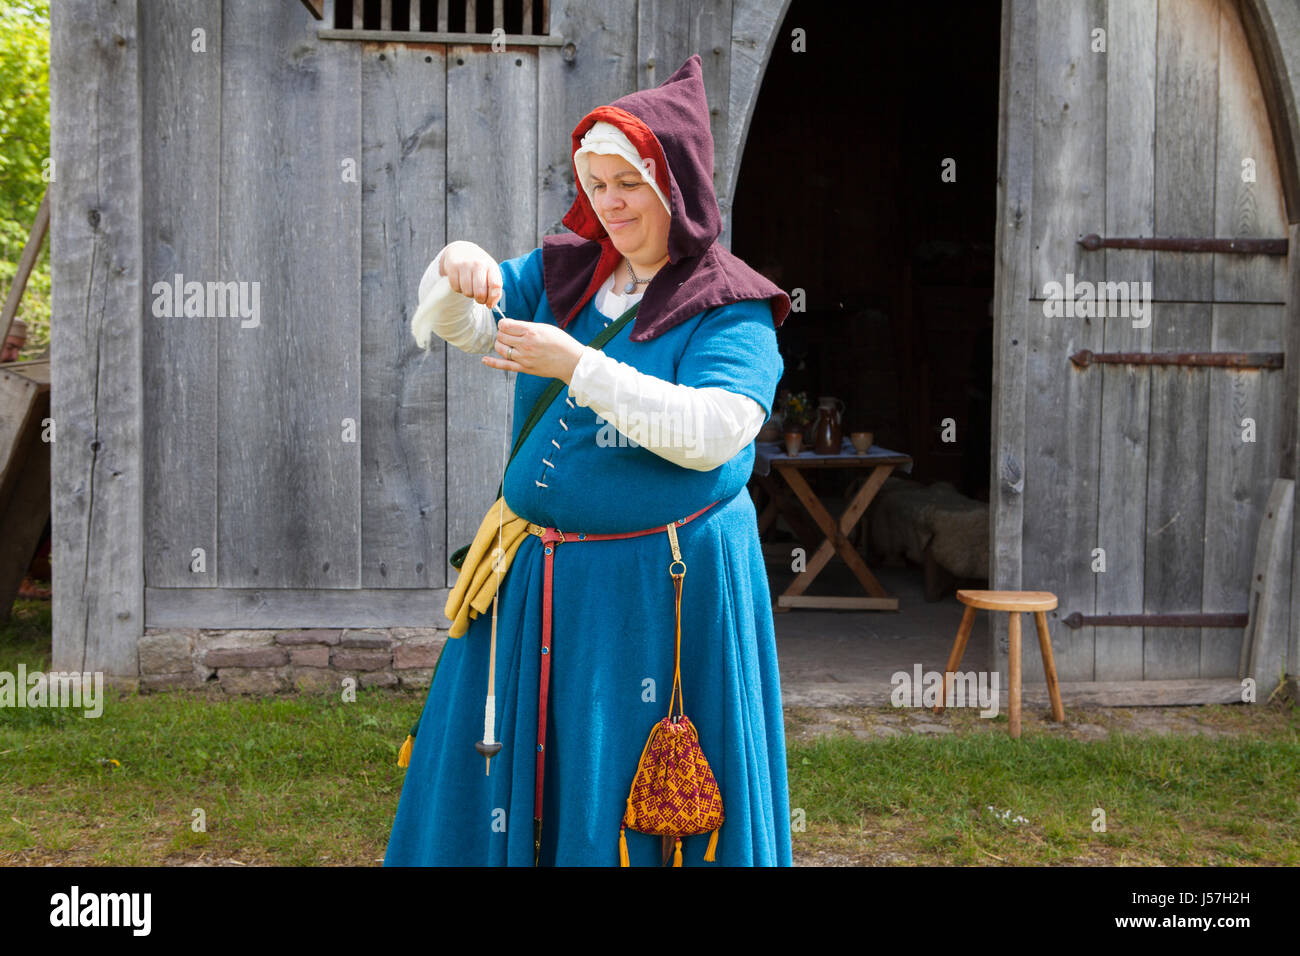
point(511, 352)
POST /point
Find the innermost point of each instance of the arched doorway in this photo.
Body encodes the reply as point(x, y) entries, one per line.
point(867, 187)
point(1077, 149)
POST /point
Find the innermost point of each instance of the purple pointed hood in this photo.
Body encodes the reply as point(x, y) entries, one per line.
point(669, 124)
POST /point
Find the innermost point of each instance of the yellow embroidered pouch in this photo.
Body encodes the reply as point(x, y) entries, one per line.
point(674, 793)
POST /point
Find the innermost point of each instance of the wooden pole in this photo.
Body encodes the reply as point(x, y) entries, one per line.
point(955, 655)
point(1049, 666)
point(1013, 692)
point(31, 252)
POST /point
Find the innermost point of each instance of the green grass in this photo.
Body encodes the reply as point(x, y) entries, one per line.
point(297, 780)
point(26, 637)
point(1168, 800)
point(310, 780)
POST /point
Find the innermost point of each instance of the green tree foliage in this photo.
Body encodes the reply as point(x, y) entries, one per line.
point(24, 148)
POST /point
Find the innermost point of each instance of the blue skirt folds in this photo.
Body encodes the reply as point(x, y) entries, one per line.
point(613, 629)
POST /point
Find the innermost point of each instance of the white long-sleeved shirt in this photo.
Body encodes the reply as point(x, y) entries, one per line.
point(697, 428)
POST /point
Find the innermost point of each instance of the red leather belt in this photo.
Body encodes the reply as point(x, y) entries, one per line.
point(551, 539)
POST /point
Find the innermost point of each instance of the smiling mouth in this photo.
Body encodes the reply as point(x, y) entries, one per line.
point(619, 222)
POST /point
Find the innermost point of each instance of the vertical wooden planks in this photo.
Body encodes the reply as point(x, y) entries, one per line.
point(1242, 459)
point(1187, 80)
point(1245, 413)
point(1274, 29)
point(403, 389)
point(753, 34)
point(1130, 143)
point(1264, 651)
point(289, 408)
point(1187, 52)
point(1248, 197)
point(491, 200)
point(1124, 441)
point(710, 37)
point(669, 31)
point(571, 83)
point(98, 301)
point(663, 39)
point(1291, 420)
point(181, 163)
point(1186, 107)
point(1063, 405)
point(1176, 491)
point(1070, 164)
point(1012, 303)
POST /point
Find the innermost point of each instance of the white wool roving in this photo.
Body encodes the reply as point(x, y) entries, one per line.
point(422, 325)
point(453, 317)
point(432, 297)
point(608, 140)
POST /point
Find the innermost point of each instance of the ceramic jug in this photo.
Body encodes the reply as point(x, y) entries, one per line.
point(836, 405)
point(829, 428)
point(827, 437)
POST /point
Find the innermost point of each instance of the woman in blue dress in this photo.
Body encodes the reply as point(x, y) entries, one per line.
point(657, 426)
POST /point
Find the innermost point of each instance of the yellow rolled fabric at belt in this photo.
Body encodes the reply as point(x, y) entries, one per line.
point(472, 594)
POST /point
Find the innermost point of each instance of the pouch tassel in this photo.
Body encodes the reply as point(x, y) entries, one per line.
point(404, 755)
point(677, 853)
point(713, 845)
point(622, 847)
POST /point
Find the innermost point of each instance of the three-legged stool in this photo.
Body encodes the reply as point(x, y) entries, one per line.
point(1034, 602)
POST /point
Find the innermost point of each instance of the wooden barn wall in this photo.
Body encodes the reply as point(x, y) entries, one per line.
point(403, 390)
point(1147, 463)
point(1011, 306)
point(97, 297)
point(181, 231)
point(1273, 27)
point(227, 164)
point(247, 452)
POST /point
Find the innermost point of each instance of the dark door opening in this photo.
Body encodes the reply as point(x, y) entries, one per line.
point(868, 181)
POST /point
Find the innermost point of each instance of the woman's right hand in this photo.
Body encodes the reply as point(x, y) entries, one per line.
point(472, 272)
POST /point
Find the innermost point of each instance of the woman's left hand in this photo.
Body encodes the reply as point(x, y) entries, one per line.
point(535, 348)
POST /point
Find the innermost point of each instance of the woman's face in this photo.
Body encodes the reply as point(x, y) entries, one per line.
point(628, 208)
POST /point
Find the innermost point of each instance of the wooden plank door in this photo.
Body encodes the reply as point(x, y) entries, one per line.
point(1134, 119)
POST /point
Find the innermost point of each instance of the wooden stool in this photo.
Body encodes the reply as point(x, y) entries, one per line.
point(1035, 602)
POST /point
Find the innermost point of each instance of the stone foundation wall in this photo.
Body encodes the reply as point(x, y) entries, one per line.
point(274, 661)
